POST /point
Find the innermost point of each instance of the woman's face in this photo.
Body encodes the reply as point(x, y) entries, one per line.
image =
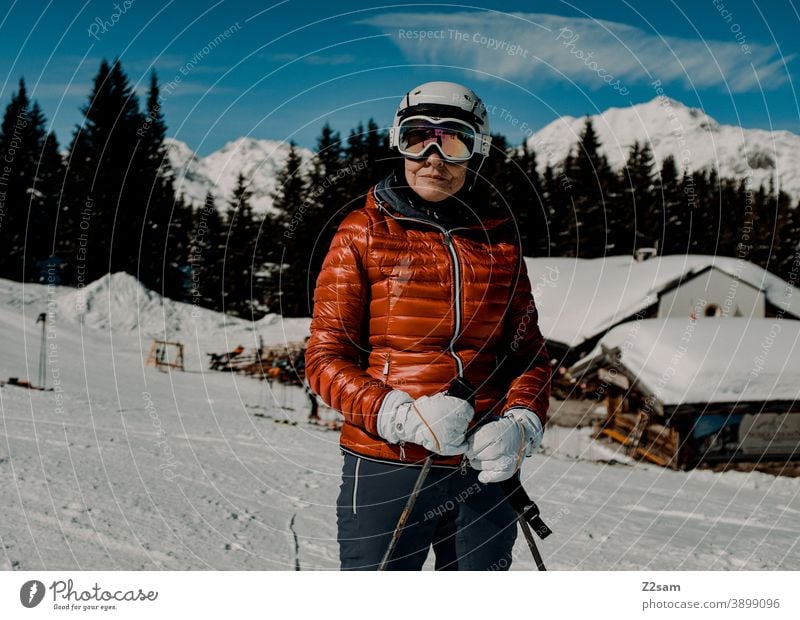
point(434, 179)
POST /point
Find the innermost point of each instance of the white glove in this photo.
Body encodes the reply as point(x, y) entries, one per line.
point(496, 449)
point(437, 423)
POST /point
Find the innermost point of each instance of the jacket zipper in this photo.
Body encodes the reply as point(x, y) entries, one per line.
point(448, 241)
point(457, 310)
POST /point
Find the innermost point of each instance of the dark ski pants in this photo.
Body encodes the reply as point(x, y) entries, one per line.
point(470, 525)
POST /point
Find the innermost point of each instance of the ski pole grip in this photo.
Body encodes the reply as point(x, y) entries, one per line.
point(525, 506)
point(535, 520)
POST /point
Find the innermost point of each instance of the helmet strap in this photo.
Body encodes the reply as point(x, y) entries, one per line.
point(472, 172)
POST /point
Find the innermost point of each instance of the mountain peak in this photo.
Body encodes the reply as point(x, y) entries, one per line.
point(258, 159)
point(693, 138)
point(662, 101)
point(249, 142)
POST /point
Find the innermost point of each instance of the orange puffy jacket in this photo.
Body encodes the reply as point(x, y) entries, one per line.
point(403, 303)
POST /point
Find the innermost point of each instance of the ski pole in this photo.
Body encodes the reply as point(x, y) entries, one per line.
point(42, 354)
point(459, 388)
point(401, 523)
point(526, 530)
point(527, 514)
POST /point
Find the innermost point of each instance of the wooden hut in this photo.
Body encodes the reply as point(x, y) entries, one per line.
point(684, 391)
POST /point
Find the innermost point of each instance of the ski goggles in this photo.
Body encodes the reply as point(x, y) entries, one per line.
point(456, 141)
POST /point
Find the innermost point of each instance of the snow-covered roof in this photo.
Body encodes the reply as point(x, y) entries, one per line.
point(709, 360)
point(581, 298)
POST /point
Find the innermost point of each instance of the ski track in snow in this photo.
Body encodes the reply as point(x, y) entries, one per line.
point(131, 468)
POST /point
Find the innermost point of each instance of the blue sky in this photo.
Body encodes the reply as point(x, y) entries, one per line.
point(280, 70)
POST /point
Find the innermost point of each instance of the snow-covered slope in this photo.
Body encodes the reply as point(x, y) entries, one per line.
point(693, 138)
point(258, 160)
point(124, 467)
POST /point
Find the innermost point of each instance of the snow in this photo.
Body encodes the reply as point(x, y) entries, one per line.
point(710, 360)
point(259, 161)
point(128, 467)
point(693, 138)
point(579, 298)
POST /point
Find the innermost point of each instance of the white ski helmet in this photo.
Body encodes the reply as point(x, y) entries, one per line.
point(441, 102)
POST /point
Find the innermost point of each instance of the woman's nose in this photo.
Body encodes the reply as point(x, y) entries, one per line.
point(435, 159)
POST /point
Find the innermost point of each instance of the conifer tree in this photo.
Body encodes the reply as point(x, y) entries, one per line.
point(676, 216)
point(323, 208)
point(557, 189)
point(29, 187)
point(174, 267)
point(529, 206)
point(732, 205)
point(165, 220)
point(105, 201)
point(356, 164)
point(787, 244)
point(636, 220)
point(206, 255)
point(499, 178)
point(592, 190)
point(284, 235)
point(766, 224)
point(696, 187)
point(45, 195)
point(15, 179)
point(378, 155)
point(241, 288)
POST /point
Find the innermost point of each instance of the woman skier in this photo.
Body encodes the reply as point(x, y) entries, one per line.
point(423, 289)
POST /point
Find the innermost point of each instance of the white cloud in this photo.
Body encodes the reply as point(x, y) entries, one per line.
point(536, 46)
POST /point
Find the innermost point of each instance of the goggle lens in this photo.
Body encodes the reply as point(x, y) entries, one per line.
point(454, 140)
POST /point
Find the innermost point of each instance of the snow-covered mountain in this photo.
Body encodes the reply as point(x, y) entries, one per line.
point(258, 160)
point(693, 138)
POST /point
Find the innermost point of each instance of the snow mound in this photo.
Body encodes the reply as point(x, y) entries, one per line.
point(120, 302)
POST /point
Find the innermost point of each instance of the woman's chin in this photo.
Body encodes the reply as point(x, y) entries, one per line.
point(432, 193)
